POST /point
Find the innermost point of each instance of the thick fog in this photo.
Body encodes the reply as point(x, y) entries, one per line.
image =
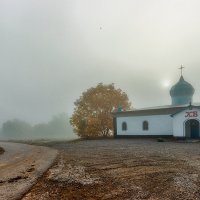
point(51, 51)
point(57, 128)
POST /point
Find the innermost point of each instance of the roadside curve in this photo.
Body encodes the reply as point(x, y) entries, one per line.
point(20, 166)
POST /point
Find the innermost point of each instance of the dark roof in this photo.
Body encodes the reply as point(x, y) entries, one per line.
point(160, 110)
point(182, 88)
point(190, 107)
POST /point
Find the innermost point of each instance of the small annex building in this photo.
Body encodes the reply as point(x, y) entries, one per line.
point(180, 119)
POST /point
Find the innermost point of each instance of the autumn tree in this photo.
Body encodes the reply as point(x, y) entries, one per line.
point(92, 114)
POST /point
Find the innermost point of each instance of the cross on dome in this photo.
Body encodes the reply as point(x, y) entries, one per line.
point(181, 68)
point(182, 92)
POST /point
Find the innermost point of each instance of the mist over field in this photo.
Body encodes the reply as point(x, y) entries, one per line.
point(57, 128)
point(51, 51)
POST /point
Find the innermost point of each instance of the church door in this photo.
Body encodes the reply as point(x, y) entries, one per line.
point(192, 128)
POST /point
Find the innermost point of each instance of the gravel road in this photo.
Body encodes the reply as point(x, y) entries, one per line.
point(20, 166)
point(121, 169)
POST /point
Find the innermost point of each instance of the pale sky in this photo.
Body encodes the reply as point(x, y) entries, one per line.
point(51, 51)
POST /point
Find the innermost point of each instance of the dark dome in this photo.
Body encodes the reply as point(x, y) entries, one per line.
point(181, 92)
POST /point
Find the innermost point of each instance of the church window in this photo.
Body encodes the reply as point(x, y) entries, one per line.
point(124, 126)
point(145, 125)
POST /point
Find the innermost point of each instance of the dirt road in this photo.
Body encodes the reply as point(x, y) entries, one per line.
point(20, 166)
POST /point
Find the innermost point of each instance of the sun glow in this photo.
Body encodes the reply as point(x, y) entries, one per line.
point(166, 83)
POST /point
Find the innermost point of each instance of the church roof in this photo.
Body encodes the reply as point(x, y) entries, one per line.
point(190, 107)
point(159, 110)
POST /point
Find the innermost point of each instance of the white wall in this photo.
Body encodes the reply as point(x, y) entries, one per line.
point(179, 122)
point(158, 125)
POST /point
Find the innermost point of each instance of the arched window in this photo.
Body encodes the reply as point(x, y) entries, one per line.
point(124, 126)
point(145, 125)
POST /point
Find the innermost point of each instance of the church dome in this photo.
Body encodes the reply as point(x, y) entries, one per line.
point(182, 92)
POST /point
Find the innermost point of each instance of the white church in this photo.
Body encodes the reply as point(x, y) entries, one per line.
point(180, 119)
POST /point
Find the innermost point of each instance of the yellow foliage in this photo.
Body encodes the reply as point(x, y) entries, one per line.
point(92, 114)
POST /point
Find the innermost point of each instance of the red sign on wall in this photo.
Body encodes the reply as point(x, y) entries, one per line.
point(191, 114)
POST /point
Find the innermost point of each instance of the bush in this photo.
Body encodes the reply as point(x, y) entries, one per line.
point(1, 150)
point(160, 140)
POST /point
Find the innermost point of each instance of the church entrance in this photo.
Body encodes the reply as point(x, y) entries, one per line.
point(192, 128)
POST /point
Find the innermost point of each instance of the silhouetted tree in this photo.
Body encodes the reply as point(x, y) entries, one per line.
point(92, 113)
point(16, 129)
point(58, 128)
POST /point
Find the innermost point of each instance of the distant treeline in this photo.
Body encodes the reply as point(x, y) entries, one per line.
point(58, 128)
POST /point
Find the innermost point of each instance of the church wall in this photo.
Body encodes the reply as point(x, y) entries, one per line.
point(157, 125)
point(180, 119)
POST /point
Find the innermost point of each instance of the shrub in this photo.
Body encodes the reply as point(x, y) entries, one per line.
point(160, 140)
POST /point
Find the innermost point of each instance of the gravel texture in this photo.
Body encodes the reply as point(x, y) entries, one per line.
point(122, 169)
